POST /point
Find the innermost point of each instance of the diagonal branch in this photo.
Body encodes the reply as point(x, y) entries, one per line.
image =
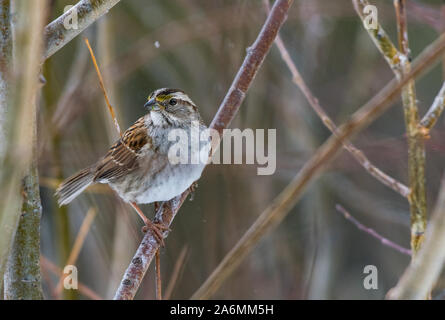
point(226, 113)
point(372, 232)
point(434, 112)
point(86, 11)
point(392, 56)
point(287, 199)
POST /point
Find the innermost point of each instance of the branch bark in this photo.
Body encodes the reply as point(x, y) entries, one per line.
point(87, 11)
point(372, 232)
point(20, 159)
point(416, 144)
point(399, 61)
point(287, 199)
point(22, 278)
point(424, 270)
point(226, 113)
point(5, 71)
point(432, 115)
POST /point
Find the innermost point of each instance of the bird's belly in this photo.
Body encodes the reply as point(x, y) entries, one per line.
point(169, 183)
point(165, 185)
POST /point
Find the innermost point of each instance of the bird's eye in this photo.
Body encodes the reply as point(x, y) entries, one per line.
point(173, 101)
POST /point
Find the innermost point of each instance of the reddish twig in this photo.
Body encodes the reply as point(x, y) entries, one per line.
point(179, 266)
point(47, 264)
point(78, 244)
point(158, 276)
point(226, 113)
point(372, 232)
point(102, 86)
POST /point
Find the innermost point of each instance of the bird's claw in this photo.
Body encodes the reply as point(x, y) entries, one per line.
point(158, 230)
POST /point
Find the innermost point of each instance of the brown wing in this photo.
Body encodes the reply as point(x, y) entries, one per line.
point(123, 156)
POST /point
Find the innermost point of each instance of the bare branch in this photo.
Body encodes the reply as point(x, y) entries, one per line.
point(158, 276)
point(5, 71)
point(416, 145)
point(372, 232)
point(400, 64)
point(78, 244)
point(227, 111)
point(22, 277)
point(285, 201)
point(424, 270)
point(87, 11)
point(434, 112)
point(393, 57)
point(179, 266)
point(104, 91)
point(47, 264)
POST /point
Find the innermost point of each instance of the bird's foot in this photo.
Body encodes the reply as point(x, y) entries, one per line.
point(158, 230)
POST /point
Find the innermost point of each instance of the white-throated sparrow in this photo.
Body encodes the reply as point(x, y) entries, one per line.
point(137, 166)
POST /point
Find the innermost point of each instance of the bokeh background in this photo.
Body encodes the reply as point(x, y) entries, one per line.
point(198, 45)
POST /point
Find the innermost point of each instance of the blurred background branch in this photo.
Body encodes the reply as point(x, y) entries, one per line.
point(21, 208)
point(5, 72)
point(372, 232)
point(86, 12)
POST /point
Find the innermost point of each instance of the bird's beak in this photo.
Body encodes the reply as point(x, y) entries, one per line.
point(152, 104)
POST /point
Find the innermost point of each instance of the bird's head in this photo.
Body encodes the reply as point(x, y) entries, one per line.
point(172, 106)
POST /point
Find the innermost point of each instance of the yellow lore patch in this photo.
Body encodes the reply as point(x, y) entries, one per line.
point(161, 98)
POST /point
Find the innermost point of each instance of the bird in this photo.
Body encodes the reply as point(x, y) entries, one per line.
point(141, 167)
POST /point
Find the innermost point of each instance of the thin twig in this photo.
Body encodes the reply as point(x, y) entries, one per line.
point(372, 232)
point(158, 276)
point(399, 61)
point(102, 86)
point(47, 264)
point(425, 268)
point(58, 35)
point(179, 265)
point(393, 57)
point(75, 80)
point(416, 145)
point(287, 199)
point(400, 8)
point(434, 112)
point(227, 111)
point(313, 101)
point(78, 244)
point(116, 123)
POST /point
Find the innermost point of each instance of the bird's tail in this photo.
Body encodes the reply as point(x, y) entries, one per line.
point(74, 185)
